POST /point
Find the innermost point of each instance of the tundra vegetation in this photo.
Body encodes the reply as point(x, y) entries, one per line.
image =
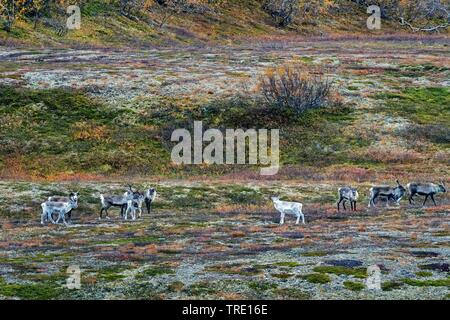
point(88, 119)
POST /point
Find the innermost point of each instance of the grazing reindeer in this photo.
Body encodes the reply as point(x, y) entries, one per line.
point(72, 196)
point(350, 194)
point(150, 196)
point(294, 208)
point(391, 193)
point(61, 208)
point(425, 189)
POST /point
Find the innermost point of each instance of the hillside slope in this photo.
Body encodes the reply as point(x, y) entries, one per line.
point(110, 113)
point(103, 25)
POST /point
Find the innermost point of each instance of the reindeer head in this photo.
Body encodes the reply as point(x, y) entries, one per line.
point(151, 193)
point(355, 193)
point(399, 191)
point(441, 187)
point(74, 196)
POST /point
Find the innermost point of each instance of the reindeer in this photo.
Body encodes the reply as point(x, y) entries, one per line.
point(294, 208)
point(425, 189)
point(119, 201)
point(61, 208)
point(350, 194)
point(138, 199)
point(391, 193)
point(150, 196)
point(134, 204)
point(114, 201)
point(72, 196)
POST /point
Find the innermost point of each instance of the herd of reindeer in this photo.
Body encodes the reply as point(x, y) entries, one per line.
point(58, 208)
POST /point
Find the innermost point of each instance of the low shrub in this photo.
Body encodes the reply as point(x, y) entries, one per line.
point(293, 88)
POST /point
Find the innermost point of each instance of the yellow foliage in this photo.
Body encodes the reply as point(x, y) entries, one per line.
point(86, 131)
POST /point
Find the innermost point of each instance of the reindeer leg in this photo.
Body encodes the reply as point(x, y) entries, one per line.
point(387, 201)
point(411, 198)
point(126, 213)
point(373, 200)
point(432, 198)
point(43, 216)
point(50, 218)
point(63, 215)
point(147, 205)
point(343, 204)
point(297, 213)
point(426, 198)
point(282, 218)
point(339, 202)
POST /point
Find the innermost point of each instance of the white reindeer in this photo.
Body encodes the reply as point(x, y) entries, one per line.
point(134, 205)
point(61, 208)
point(294, 208)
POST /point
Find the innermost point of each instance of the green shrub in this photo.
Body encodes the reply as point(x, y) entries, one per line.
point(391, 285)
point(316, 278)
point(354, 286)
point(356, 272)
